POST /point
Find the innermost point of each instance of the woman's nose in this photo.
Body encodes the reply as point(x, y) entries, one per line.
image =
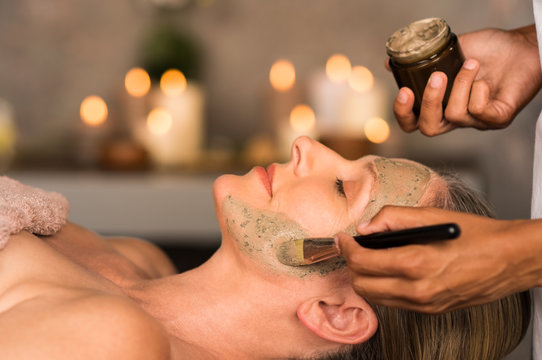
point(303, 155)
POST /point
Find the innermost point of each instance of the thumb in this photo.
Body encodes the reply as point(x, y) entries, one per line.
point(387, 64)
point(347, 246)
point(378, 223)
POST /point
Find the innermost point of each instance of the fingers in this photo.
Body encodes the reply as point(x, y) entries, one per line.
point(360, 259)
point(387, 64)
point(469, 104)
point(457, 109)
point(399, 262)
point(402, 108)
point(395, 218)
point(431, 121)
point(397, 293)
point(492, 113)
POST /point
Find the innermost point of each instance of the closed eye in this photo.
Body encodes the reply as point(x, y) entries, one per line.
point(340, 187)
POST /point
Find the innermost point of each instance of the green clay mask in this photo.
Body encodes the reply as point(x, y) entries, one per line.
point(258, 232)
point(398, 182)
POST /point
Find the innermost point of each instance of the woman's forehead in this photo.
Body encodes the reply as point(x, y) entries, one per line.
point(396, 182)
point(393, 164)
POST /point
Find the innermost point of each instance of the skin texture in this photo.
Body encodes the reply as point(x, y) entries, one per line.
point(500, 76)
point(258, 232)
point(119, 298)
point(492, 258)
point(258, 222)
point(399, 182)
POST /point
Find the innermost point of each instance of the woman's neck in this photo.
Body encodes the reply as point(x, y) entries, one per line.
point(216, 310)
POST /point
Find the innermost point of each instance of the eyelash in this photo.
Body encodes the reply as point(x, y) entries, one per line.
point(340, 187)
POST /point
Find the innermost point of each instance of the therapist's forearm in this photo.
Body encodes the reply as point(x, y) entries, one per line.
point(529, 33)
point(525, 251)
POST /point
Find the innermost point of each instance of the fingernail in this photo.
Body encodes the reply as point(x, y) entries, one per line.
point(363, 224)
point(435, 81)
point(402, 97)
point(469, 64)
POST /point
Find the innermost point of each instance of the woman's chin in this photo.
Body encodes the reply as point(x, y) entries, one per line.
point(222, 187)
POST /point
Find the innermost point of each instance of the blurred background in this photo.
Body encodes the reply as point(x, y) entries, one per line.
point(131, 108)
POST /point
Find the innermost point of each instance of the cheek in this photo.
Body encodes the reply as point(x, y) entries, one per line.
point(318, 212)
point(241, 187)
point(257, 232)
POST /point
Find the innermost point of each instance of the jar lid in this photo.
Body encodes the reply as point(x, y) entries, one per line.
point(418, 41)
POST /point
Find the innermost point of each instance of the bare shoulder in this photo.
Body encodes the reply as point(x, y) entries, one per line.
point(87, 325)
point(144, 254)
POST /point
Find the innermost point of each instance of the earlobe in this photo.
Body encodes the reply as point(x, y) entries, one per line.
point(341, 319)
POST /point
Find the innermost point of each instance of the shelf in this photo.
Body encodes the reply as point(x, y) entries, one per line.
point(172, 208)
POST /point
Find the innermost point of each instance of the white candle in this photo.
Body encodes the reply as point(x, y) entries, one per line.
point(343, 108)
point(180, 142)
point(301, 121)
point(92, 130)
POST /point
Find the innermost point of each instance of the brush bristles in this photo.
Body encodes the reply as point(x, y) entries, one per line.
point(291, 253)
point(306, 251)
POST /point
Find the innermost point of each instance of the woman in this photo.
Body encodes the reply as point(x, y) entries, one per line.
point(76, 295)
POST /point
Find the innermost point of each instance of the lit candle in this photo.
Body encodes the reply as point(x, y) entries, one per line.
point(338, 68)
point(173, 133)
point(345, 98)
point(137, 82)
point(134, 98)
point(302, 121)
point(93, 112)
point(284, 95)
point(282, 75)
point(377, 130)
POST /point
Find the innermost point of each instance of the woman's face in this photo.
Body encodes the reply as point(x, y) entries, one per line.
point(317, 194)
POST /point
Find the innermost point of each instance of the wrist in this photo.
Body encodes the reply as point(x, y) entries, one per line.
point(527, 254)
point(528, 33)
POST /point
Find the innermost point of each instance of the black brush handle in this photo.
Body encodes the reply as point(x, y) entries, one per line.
point(419, 235)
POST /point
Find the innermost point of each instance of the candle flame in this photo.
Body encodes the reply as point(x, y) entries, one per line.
point(377, 130)
point(338, 68)
point(93, 110)
point(282, 75)
point(302, 118)
point(173, 82)
point(159, 121)
point(137, 82)
point(361, 79)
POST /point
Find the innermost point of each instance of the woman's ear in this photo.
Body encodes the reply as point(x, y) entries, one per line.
point(343, 317)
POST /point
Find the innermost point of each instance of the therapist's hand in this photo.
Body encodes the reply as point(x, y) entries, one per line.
point(491, 259)
point(500, 76)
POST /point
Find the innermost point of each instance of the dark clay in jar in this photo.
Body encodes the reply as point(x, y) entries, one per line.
point(418, 50)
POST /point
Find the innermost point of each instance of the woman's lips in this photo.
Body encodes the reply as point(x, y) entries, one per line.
point(265, 177)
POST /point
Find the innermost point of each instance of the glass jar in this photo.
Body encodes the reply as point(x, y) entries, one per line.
point(419, 49)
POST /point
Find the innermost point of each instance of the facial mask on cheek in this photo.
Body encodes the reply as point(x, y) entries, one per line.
point(398, 183)
point(257, 232)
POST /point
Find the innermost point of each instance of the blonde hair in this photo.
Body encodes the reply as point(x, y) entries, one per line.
point(484, 332)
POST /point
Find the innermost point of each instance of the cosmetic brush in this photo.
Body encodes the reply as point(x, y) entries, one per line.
point(312, 250)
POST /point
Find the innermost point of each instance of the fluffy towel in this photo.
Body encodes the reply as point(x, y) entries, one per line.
point(23, 207)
